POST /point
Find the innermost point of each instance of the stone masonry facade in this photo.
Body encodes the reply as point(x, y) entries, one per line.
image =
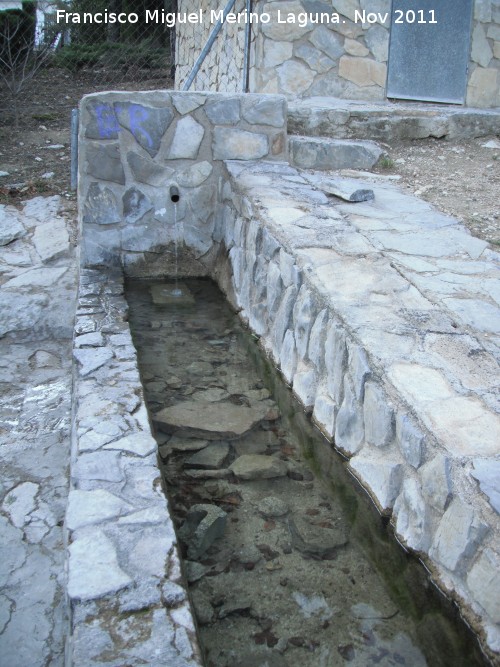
point(383, 316)
point(345, 60)
point(131, 153)
point(223, 68)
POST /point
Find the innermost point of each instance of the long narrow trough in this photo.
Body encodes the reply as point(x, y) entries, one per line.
point(382, 316)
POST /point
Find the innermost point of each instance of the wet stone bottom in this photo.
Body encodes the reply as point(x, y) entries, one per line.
point(285, 568)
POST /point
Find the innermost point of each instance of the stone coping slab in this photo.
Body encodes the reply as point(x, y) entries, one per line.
point(125, 583)
point(384, 316)
point(387, 121)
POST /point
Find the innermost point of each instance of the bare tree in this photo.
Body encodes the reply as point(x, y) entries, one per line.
point(23, 51)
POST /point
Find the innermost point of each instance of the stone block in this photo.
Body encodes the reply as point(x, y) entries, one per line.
point(187, 139)
point(304, 313)
point(362, 72)
point(145, 170)
point(282, 320)
point(377, 40)
point(104, 162)
point(325, 153)
point(51, 240)
point(101, 206)
point(324, 413)
point(481, 52)
point(288, 357)
point(146, 124)
point(274, 289)
point(258, 466)
point(93, 568)
point(354, 48)
point(436, 482)
point(101, 122)
point(383, 477)
point(93, 507)
point(328, 41)
point(294, 78)
point(484, 583)
point(186, 102)
point(335, 361)
point(11, 227)
point(236, 144)
point(305, 385)
point(482, 11)
point(359, 368)
point(458, 536)
point(276, 53)
point(264, 110)
point(378, 416)
point(101, 247)
point(135, 205)
point(411, 517)
point(483, 88)
point(346, 8)
point(487, 473)
point(288, 269)
point(223, 112)
point(281, 32)
point(194, 175)
point(349, 426)
point(411, 440)
point(316, 347)
point(316, 60)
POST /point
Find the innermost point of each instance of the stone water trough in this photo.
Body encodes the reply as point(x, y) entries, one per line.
point(383, 315)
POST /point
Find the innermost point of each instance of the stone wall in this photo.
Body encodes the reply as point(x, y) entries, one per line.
point(134, 147)
point(378, 351)
point(222, 69)
point(347, 60)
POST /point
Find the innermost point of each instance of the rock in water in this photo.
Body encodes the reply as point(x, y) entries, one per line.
point(257, 466)
point(203, 525)
point(213, 421)
point(316, 541)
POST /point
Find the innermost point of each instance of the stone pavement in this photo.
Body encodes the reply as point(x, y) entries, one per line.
point(89, 571)
point(38, 278)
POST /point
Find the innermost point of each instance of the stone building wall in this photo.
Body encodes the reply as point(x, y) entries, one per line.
point(222, 70)
point(346, 60)
point(134, 146)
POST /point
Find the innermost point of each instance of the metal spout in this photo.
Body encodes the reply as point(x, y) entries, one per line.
point(174, 194)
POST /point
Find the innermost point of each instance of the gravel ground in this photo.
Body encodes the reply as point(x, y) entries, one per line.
point(461, 178)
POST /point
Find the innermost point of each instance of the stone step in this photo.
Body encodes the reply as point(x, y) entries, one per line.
point(325, 153)
point(387, 121)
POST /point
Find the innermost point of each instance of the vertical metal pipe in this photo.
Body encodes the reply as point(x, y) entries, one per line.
point(246, 53)
point(74, 148)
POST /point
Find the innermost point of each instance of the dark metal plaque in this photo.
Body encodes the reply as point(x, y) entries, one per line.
point(428, 61)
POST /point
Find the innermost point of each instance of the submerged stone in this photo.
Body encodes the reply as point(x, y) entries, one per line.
point(203, 525)
point(213, 421)
point(209, 457)
point(258, 466)
point(316, 541)
point(179, 295)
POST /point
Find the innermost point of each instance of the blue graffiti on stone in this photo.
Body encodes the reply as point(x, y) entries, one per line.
point(108, 124)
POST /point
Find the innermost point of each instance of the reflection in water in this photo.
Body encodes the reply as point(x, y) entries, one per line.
point(285, 567)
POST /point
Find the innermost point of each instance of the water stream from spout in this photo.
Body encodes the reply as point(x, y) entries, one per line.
point(176, 291)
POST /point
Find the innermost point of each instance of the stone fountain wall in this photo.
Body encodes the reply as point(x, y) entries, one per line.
point(356, 303)
point(133, 147)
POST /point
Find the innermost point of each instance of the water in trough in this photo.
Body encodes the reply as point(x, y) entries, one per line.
point(288, 562)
